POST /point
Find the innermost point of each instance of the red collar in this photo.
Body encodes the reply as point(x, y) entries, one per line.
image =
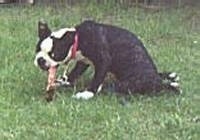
point(74, 47)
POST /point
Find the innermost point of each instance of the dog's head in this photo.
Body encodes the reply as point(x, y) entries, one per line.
point(53, 48)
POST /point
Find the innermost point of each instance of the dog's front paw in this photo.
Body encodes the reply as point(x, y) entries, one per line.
point(83, 95)
point(62, 81)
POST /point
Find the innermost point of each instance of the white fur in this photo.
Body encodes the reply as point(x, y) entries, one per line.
point(177, 79)
point(44, 55)
point(46, 45)
point(61, 32)
point(172, 75)
point(83, 95)
point(99, 88)
point(174, 84)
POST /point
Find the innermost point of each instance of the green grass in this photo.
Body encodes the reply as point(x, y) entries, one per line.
point(173, 40)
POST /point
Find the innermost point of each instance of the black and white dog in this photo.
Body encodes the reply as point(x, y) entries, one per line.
point(109, 49)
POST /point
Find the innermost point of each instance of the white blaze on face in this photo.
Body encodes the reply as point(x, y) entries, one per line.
point(47, 45)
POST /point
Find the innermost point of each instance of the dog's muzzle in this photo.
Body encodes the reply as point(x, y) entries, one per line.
point(42, 64)
point(43, 61)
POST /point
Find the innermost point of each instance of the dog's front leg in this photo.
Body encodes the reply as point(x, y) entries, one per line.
point(97, 81)
point(77, 71)
point(99, 76)
point(69, 80)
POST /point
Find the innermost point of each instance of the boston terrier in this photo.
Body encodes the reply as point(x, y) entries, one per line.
point(109, 49)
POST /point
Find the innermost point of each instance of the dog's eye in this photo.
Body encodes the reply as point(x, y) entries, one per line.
point(51, 55)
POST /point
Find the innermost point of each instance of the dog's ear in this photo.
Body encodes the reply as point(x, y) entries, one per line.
point(43, 30)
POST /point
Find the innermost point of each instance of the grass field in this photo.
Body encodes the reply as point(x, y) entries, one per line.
point(172, 38)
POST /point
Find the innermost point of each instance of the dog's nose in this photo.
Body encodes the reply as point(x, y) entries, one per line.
point(42, 63)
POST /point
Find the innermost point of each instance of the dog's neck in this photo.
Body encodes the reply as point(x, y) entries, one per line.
point(73, 51)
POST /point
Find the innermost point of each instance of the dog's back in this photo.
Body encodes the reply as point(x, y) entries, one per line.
point(130, 62)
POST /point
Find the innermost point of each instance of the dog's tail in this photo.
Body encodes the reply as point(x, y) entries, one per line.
point(171, 81)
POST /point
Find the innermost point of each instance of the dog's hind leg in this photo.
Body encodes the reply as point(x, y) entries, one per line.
point(171, 81)
point(172, 86)
point(172, 76)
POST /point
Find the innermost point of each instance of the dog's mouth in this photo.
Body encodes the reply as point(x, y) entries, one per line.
point(44, 61)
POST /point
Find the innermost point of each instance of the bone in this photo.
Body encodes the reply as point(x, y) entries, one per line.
point(51, 78)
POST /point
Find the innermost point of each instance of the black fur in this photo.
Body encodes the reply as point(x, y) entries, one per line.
point(116, 50)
